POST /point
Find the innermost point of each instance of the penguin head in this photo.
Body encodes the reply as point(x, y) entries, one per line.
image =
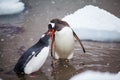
point(56, 25)
point(45, 37)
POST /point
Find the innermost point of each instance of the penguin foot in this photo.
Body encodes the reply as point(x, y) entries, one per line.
point(54, 62)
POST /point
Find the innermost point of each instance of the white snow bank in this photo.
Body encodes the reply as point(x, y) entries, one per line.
point(9, 1)
point(11, 7)
point(93, 23)
point(95, 75)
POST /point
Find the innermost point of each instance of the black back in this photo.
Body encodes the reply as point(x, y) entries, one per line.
point(25, 58)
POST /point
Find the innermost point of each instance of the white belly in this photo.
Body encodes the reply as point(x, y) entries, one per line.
point(36, 62)
point(64, 43)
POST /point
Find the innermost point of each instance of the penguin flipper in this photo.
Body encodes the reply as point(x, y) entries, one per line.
point(37, 52)
point(79, 41)
point(34, 53)
point(29, 58)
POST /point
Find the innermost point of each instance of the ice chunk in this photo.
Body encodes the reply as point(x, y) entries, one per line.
point(11, 7)
point(93, 23)
point(96, 75)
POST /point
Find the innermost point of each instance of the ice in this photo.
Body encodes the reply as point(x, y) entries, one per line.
point(9, 1)
point(8, 7)
point(96, 75)
point(93, 23)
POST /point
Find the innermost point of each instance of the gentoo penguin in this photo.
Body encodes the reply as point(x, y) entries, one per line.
point(62, 39)
point(32, 60)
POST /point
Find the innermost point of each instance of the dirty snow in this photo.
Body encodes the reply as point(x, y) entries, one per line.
point(96, 75)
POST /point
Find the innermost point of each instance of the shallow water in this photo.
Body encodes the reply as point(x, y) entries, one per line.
point(99, 56)
point(33, 22)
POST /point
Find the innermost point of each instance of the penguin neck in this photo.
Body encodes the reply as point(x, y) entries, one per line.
point(44, 40)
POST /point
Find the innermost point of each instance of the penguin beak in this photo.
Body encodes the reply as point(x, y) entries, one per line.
point(52, 33)
point(51, 30)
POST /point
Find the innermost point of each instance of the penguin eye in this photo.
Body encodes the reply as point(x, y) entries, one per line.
point(52, 25)
point(49, 26)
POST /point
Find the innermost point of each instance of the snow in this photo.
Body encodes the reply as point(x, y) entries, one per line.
point(8, 7)
point(9, 1)
point(96, 75)
point(93, 23)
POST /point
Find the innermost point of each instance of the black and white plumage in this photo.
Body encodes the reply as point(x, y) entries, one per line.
point(32, 60)
point(63, 39)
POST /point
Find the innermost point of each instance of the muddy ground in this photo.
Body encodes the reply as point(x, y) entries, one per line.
point(19, 32)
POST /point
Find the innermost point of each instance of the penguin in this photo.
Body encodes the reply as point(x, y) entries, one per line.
point(33, 59)
point(62, 44)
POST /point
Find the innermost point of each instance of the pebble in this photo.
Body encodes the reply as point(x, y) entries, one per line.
point(2, 40)
point(53, 2)
point(108, 64)
point(31, 39)
point(49, 70)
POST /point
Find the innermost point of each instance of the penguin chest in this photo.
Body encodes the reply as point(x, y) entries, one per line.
point(64, 42)
point(36, 61)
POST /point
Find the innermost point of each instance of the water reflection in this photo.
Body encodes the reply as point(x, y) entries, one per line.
point(63, 70)
point(10, 30)
point(11, 75)
point(35, 76)
point(21, 77)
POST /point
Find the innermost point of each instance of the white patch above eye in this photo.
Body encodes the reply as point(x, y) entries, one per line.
point(53, 24)
point(43, 36)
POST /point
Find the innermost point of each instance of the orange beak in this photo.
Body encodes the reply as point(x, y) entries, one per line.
point(52, 33)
